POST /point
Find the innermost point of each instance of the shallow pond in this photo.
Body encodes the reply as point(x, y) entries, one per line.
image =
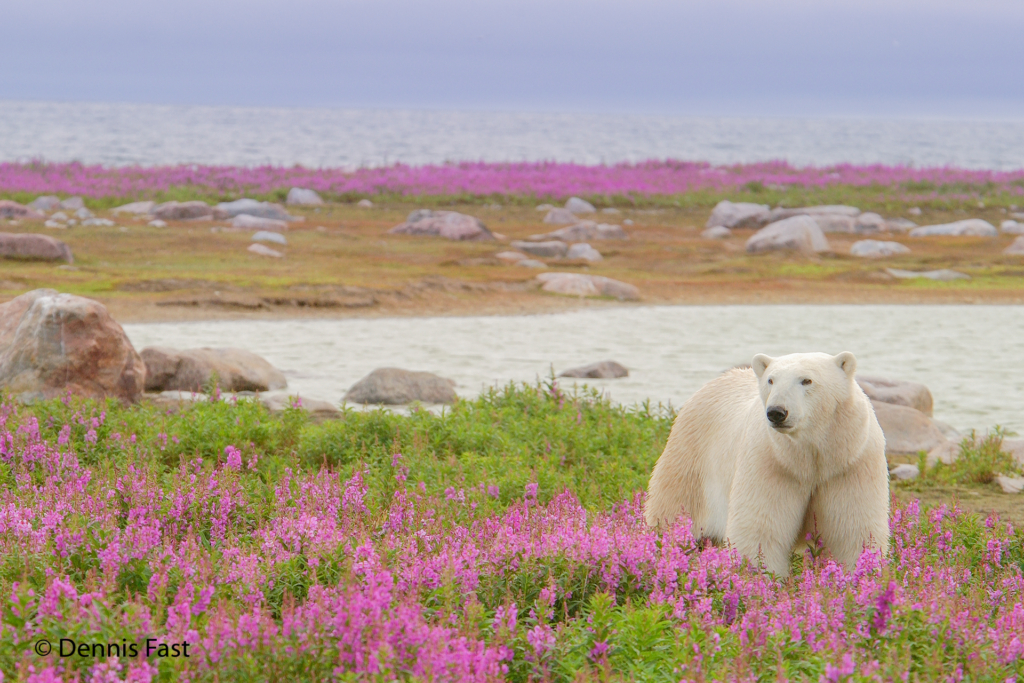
point(971, 357)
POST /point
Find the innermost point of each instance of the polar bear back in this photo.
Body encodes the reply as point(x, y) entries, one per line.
point(694, 473)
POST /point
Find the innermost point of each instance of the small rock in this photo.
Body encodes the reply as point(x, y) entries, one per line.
point(897, 392)
point(799, 233)
point(263, 250)
point(914, 211)
point(98, 222)
point(835, 209)
point(255, 208)
point(943, 275)
point(584, 231)
point(157, 223)
point(578, 284)
point(45, 203)
point(719, 232)
point(834, 222)
point(971, 226)
point(560, 216)
point(868, 222)
point(610, 209)
point(280, 402)
point(59, 216)
point(83, 214)
point(9, 209)
point(628, 221)
point(577, 205)
point(531, 263)
point(1012, 227)
point(1016, 248)
point(607, 369)
point(394, 386)
point(183, 211)
point(553, 249)
point(138, 208)
point(447, 224)
point(73, 203)
point(244, 221)
point(195, 369)
point(55, 224)
point(303, 196)
point(264, 236)
point(33, 247)
point(905, 472)
point(544, 207)
point(728, 214)
point(1010, 484)
point(582, 250)
point(510, 256)
point(876, 249)
point(364, 204)
point(52, 344)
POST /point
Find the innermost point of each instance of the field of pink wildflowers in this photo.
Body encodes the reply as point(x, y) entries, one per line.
point(502, 540)
point(619, 182)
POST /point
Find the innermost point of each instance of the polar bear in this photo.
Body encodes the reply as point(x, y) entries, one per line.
point(760, 457)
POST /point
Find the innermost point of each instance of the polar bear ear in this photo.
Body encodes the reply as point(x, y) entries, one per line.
point(760, 363)
point(846, 362)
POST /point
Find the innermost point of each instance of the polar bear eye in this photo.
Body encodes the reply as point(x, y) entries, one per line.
point(769, 381)
point(806, 382)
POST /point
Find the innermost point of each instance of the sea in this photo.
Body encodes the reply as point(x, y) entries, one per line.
point(125, 134)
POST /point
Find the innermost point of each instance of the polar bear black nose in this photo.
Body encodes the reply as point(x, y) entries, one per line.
point(777, 415)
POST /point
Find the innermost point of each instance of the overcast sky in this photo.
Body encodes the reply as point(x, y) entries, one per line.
point(694, 57)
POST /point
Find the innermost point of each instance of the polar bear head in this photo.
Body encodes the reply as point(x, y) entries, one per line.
point(803, 390)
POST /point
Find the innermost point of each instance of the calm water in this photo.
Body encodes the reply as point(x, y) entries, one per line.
point(124, 134)
point(969, 356)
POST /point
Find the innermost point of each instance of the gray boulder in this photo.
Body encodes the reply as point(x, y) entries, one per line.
point(827, 209)
point(138, 208)
point(728, 214)
point(799, 233)
point(510, 256)
point(578, 284)
point(447, 224)
point(303, 197)
point(45, 203)
point(553, 249)
point(394, 386)
point(876, 249)
point(584, 231)
point(909, 431)
point(868, 222)
point(582, 250)
point(73, 203)
point(972, 226)
point(943, 275)
point(719, 232)
point(1016, 247)
point(898, 225)
point(560, 216)
point(1010, 484)
point(606, 369)
point(33, 247)
point(185, 211)
point(897, 392)
point(577, 205)
point(1008, 227)
point(194, 370)
point(9, 209)
point(264, 250)
point(255, 208)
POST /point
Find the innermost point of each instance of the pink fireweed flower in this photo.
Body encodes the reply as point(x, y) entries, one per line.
point(233, 457)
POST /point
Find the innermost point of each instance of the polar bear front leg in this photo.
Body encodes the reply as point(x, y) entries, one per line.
point(851, 511)
point(766, 512)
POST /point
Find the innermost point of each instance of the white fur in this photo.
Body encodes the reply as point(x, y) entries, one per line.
point(762, 486)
